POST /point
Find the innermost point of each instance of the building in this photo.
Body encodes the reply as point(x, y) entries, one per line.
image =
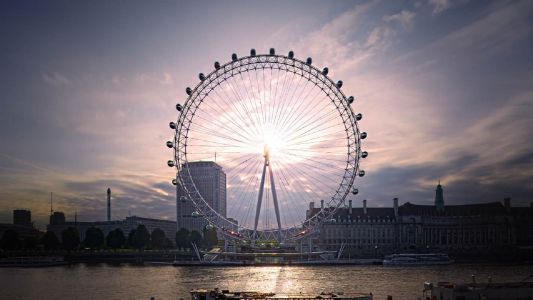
point(210, 180)
point(472, 228)
point(129, 223)
point(22, 224)
point(22, 217)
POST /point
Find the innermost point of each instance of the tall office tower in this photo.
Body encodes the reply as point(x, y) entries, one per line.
point(210, 180)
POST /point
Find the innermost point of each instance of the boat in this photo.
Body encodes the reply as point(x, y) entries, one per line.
point(216, 294)
point(32, 261)
point(476, 291)
point(416, 259)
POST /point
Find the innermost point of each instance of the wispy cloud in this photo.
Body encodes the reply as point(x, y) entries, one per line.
point(55, 79)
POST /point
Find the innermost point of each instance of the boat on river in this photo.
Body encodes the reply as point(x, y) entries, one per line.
point(476, 291)
point(417, 259)
point(216, 294)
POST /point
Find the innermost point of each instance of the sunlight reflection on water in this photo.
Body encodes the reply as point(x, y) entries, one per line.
point(166, 282)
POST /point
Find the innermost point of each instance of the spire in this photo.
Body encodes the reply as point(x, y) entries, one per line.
point(439, 198)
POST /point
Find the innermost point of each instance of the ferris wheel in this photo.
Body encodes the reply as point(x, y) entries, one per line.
point(284, 134)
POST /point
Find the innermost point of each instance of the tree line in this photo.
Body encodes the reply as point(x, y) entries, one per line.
point(139, 238)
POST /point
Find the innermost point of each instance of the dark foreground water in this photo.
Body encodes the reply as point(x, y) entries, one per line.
point(104, 281)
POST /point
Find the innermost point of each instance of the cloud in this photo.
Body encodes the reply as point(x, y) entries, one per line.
point(405, 18)
point(439, 5)
point(55, 79)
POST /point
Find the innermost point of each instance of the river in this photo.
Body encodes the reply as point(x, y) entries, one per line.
point(103, 281)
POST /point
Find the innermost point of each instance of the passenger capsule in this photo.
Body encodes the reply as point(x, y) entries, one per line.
point(170, 163)
point(188, 90)
point(174, 182)
point(172, 125)
point(359, 116)
point(355, 191)
point(361, 173)
point(195, 214)
point(183, 199)
point(217, 65)
point(291, 54)
point(350, 99)
point(309, 61)
point(234, 57)
point(170, 144)
point(252, 52)
point(201, 76)
point(272, 51)
point(363, 135)
point(364, 154)
point(178, 108)
point(325, 71)
point(339, 84)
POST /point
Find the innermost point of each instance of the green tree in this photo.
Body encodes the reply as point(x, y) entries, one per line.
point(195, 237)
point(131, 235)
point(168, 244)
point(182, 238)
point(141, 238)
point(210, 237)
point(50, 241)
point(94, 238)
point(10, 240)
point(70, 239)
point(158, 238)
point(30, 243)
point(115, 239)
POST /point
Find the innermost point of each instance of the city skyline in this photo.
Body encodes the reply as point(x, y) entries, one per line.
point(445, 88)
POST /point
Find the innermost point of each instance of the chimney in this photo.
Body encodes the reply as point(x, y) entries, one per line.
point(350, 207)
point(395, 203)
point(364, 206)
point(108, 204)
point(507, 203)
point(311, 206)
point(321, 204)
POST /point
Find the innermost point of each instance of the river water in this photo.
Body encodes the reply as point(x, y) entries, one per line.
point(103, 281)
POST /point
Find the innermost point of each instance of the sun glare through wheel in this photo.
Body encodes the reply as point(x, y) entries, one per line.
point(285, 135)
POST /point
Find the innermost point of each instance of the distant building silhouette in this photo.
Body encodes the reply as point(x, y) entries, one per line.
point(108, 204)
point(210, 180)
point(126, 225)
point(482, 228)
point(22, 224)
point(439, 198)
point(57, 217)
point(22, 217)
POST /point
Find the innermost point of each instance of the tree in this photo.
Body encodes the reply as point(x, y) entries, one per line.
point(210, 237)
point(94, 238)
point(30, 243)
point(141, 238)
point(115, 239)
point(130, 238)
point(168, 244)
point(182, 238)
point(10, 240)
point(50, 241)
point(70, 239)
point(195, 237)
point(158, 238)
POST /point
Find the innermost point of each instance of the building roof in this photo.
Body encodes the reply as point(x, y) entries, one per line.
point(491, 208)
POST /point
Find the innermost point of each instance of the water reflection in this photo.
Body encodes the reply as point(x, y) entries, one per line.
point(166, 282)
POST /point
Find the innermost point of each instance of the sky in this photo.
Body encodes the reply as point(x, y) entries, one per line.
point(88, 88)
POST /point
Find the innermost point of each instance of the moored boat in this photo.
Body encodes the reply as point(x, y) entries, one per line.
point(417, 259)
point(216, 294)
point(476, 291)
